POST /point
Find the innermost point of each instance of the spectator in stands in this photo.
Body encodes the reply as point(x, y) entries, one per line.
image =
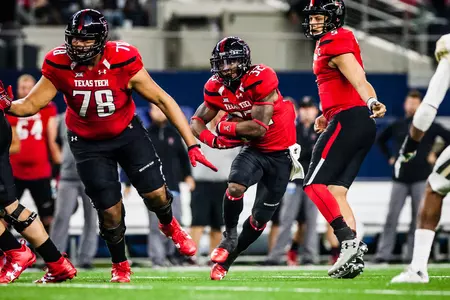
point(70, 188)
point(408, 179)
point(134, 11)
point(176, 168)
point(31, 167)
point(296, 205)
point(112, 12)
point(206, 200)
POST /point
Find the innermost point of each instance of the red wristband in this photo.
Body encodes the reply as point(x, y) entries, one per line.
point(207, 137)
point(227, 128)
point(266, 127)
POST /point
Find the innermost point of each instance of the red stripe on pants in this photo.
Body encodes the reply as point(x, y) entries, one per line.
point(331, 141)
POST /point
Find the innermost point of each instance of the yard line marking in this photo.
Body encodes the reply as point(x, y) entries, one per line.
point(239, 289)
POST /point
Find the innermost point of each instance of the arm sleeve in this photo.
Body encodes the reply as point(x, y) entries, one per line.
point(382, 140)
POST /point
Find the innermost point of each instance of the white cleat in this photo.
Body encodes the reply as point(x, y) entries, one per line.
point(411, 276)
point(343, 265)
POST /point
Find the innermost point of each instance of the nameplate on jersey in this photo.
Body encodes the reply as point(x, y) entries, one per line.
point(91, 83)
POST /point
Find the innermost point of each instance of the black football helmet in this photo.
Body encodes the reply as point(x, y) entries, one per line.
point(86, 24)
point(333, 10)
point(230, 52)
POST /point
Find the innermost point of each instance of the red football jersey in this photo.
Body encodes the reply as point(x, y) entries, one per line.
point(335, 91)
point(256, 84)
point(32, 162)
point(99, 103)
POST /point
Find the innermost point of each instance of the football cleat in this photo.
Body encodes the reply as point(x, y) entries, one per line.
point(292, 258)
point(180, 238)
point(121, 272)
point(343, 265)
point(58, 271)
point(357, 265)
point(411, 276)
point(16, 261)
point(218, 272)
point(226, 246)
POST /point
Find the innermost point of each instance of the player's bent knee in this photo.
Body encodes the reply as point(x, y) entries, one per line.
point(104, 195)
point(156, 204)
point(236, 189)
point(13, 218)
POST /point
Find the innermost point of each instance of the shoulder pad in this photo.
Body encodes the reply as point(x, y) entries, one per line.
point(261, 80)
point(57, 58)
point(338, 42)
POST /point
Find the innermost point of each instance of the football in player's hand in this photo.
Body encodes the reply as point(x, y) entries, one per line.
point(232, 118)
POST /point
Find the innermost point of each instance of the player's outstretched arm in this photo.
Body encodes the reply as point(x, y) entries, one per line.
point(426, 113)
point(352, 70)
point(152, 92)
point(262, 112)
point(203, 115)
point(15, 142)
point(41, 95)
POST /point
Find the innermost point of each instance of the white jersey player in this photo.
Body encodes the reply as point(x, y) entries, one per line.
point(438, 185)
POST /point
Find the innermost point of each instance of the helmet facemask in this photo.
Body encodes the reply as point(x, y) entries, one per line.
point(84, 54)
point(229, 68)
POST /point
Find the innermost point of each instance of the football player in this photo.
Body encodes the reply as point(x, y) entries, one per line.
point(31, 167)
point(349, 105)
point(97, 77)
point(438, 185)
point(249, 93)
point(18, 256)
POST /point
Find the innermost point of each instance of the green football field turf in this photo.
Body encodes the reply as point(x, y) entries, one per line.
point(241, 283)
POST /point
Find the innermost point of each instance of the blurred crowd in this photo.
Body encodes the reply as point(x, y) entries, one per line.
point(56, 12)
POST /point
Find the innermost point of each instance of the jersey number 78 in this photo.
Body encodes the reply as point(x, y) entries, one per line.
point(103, 98)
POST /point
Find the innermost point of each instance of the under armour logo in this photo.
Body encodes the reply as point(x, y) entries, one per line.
point(227, 128)
point(73, 138)
point(239, 95)
point(100, 72)
point(130, 126)
point(79, 75)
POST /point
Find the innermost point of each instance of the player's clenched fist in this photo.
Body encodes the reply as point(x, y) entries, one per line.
point(320, 124)
point(6, 96)
point(378, 109)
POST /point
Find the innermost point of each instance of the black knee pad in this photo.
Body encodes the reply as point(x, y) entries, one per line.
point(13, 218)
point(112, 235)
point(161, 210)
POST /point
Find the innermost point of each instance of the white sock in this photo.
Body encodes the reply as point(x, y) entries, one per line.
point(423, 240)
